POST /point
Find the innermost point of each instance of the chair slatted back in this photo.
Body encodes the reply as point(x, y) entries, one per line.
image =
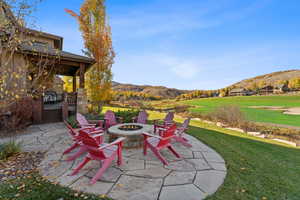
point(142, 117)
point(91, 144)
point(167, 134)
point(184, 126)
point(169, 117)
point(186, 123)
point(81, 119)
point(110, 118)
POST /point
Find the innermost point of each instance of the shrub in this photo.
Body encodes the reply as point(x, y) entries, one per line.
point(181, 108)
point(72, 121)
point(127, 115)
point(229, 114)
point(277, 132)
point(9, 149)
point(18, 114)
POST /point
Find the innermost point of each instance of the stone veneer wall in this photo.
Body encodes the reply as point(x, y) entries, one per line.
point(82, 102)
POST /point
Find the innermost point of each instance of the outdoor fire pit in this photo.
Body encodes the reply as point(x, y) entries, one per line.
point(132, 132)
point(129, 127)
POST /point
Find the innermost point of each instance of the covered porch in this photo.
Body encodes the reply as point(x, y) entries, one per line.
point(52, 107)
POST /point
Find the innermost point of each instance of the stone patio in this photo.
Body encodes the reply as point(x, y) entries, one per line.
point(198, 174)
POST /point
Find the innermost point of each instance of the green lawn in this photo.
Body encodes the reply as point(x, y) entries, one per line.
point(206, 105)
point(257, 168)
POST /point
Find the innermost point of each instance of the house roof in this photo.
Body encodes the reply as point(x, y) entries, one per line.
point(37, 49)
point(238, 90)
point(266, 87)
point(49, 51)
point(280, 85)
point(57, 39)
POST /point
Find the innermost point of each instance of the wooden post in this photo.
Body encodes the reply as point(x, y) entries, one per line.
point(74, 83)
point(81, 75)
point(38, 110)
point(65, 109)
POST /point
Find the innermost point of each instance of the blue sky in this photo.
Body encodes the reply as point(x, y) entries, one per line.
point(191, 44)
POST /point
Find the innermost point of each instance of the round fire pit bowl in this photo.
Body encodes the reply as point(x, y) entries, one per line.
point(130, 127)
point(132, 132)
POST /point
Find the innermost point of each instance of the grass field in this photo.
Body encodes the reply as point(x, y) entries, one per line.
point(257, 168)
point(207, 105)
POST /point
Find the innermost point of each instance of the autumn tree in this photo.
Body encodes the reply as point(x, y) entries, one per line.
point(294, 83)
point(20, 77)
point(98, 44)
point(284, 82)
point(68, 83)
point(262, 84)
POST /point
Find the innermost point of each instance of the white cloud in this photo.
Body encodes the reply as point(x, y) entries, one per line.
point(157, 18)
point(182, 67)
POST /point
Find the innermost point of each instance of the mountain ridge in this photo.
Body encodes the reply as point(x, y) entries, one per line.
point(269, 79)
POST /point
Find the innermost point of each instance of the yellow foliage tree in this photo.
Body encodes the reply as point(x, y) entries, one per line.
point(294, 83)
point(68, 83)
point(262, 84)
point(97, 40)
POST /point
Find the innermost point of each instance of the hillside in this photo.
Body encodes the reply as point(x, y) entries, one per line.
point(160, 91)
point(270, 79)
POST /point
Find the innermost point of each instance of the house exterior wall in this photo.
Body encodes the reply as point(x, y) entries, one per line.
point(18, 65)
point(41, 39)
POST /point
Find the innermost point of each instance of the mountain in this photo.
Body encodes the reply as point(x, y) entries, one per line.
point(160, 91)
point(271, 79)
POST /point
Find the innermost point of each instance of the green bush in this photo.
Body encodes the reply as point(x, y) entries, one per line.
point(127, 115)
point(72, 121)
point(9, 149)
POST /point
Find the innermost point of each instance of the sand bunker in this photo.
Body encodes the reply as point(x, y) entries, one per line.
point(292, 111)
point(287, 111)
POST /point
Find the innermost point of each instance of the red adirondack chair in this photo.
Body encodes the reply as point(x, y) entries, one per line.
point(105, 153)
point(141, 118)
point(110, 119)
point(84, 123)
point(179, 133)
point(97, 134)
point(168, 121)
point(157, 143)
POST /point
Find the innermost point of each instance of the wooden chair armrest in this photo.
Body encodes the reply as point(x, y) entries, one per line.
point(97, 132)
point(89, 124)
point(181, 129)
point(113, 143)
point(151, 135)
point(86, 129)
point(98, 135)
point(167, 138)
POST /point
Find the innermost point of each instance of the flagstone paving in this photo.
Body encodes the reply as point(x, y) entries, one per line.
point(199, 173)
